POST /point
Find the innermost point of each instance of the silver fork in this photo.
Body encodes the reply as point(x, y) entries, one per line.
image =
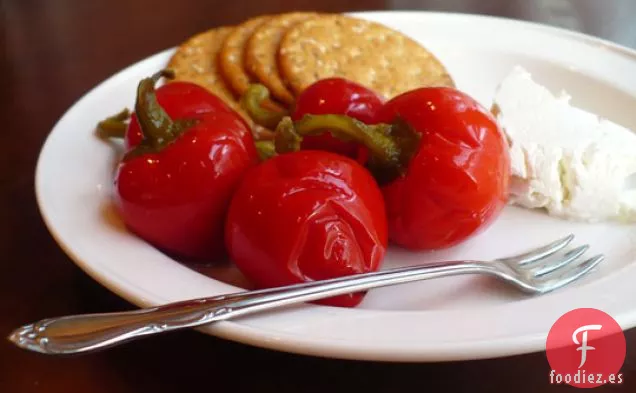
point(528, 272)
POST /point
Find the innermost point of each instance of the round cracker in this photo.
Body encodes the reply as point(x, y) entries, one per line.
point(365, 52)
point(261, 53)
point(231, 58)
point(196, 61)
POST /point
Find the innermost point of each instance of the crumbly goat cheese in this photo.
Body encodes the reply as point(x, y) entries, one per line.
point(565, 160)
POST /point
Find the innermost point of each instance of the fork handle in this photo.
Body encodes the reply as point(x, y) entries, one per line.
point(90, 332)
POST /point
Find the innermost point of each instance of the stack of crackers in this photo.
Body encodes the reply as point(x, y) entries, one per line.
point(288, 52)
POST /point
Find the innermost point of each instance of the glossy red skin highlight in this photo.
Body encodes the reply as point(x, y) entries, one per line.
point(457, 182)
point(177, 199)
point(340, 97)
point(179, 100)
point(305, 216)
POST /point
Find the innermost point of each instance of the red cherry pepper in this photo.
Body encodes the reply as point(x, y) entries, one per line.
point(173, 188)
point(457, 181)
point(441, 159)
point(326, 96)
point(336, 96)
point(307, 215)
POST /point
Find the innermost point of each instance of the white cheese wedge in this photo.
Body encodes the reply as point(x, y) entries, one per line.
point(565, 160)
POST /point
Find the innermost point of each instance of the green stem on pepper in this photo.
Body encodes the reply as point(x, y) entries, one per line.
point(265, 149)
point(155, 123)
point(391, 146)
point(252, 101)
point(157, 127)
point(114, 126)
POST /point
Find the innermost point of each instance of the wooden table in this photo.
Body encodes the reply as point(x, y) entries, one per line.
point(53, 51)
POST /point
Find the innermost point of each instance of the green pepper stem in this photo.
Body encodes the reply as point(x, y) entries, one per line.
point(114, 126)
point(157, 128)
point(286, 137)
point(155, 123)
point(265, 149)
point(391, 146)
point(252, 101)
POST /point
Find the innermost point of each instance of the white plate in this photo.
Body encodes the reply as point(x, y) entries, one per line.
point(447, 319)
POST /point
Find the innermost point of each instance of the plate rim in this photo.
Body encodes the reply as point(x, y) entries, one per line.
point(294, 343)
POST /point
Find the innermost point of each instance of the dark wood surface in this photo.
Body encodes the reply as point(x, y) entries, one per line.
point(52, 52)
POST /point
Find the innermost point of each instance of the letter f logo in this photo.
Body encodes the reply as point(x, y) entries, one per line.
point(584, 347)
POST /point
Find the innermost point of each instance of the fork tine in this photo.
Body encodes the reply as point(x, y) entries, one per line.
point(539, 253)
point(572, 275)
point(569, 257)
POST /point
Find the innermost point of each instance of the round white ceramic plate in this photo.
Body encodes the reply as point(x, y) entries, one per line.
point(445, 319)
